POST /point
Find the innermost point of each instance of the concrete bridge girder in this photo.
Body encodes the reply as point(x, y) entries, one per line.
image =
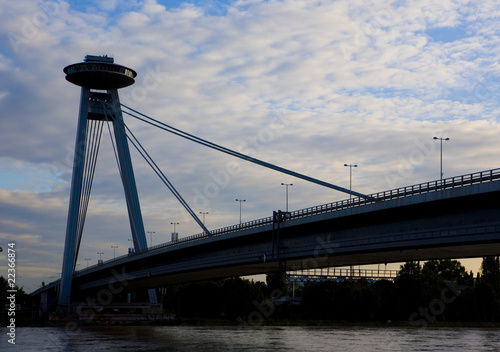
point(446, 224)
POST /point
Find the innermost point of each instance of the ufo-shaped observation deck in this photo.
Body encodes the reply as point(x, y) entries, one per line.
point(99, 72)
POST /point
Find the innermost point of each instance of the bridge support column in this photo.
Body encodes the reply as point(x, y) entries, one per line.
point(128, 180)
point(76, 210)
point(70, 245)
point(127, 175)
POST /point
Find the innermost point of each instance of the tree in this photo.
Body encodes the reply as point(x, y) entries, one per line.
point(490, 272)
point(277, 281)
point(488, 290)
point(385, 308)
point(410, 270)
point(239, 297)
point(23, 299)
point(410, 289)
point(449, 270)
point(199, 299)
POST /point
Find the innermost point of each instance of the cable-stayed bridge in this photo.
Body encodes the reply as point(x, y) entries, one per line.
point(455, 217)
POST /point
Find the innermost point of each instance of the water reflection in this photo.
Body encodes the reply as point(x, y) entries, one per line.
point(256, 339)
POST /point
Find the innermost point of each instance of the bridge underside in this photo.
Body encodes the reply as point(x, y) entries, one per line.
point(457, 223)
point(454, 252)
point(438, 226)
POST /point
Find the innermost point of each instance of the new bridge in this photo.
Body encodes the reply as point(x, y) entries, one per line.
point(456, 217)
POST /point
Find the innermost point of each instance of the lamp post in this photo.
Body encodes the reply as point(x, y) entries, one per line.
point(100, 258)
point(350, 195)
point(350, 176)
point(151, 238)
point(240, 200)
point(175, 236)
point(286, 185)
point(173, 223)
point(204, 213)
point(88, 260)
point(441, 139)
point(114, 251)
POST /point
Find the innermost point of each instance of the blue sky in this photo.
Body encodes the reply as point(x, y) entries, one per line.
point(306, 85)
point(115, 8)
point(447, 34)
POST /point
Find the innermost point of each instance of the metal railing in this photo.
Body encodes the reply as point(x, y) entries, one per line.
point(322, 274)
point(421, 188)
point(426, 187)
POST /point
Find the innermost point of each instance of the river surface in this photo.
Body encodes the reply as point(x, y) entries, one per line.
point(252, 339)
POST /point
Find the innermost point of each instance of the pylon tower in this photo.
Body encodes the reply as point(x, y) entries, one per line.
point(99, 78)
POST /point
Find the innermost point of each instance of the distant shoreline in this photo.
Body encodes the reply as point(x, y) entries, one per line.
point(328, 323)
point(208, 322)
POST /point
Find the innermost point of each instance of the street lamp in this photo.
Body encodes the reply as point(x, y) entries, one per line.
point(204, 213)
point(175, 236)
point(88, 260)
point(114, 251)
point(240, 200)
point(350, 177)
point(100, 258)
point(151, 238)
point(173, 223)
point(286, 184)
point(441, 139)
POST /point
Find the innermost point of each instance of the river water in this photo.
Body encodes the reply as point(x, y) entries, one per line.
point(252, 339)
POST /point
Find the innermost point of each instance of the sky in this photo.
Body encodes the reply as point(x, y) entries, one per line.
point(306, 85)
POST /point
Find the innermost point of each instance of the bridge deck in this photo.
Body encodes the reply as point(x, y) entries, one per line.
point(452, 218)
point(402, 192)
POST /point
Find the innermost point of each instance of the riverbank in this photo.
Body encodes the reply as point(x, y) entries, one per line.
point(212, 322)
point(328, 323)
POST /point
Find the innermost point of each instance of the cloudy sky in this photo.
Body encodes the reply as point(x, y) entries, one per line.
point(307, 85)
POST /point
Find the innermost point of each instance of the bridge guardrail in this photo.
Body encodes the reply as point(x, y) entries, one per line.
point(425, 187)
point(322, 273)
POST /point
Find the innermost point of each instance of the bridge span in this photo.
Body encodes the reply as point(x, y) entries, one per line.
point(457, 217)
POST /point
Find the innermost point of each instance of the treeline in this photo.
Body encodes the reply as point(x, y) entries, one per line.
point(438, 290)
point(228, 298)
point(23, 302)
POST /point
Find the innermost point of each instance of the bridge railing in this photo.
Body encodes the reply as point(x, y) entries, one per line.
point(425, 187)
point(438, 185)
point(326, 273)
point(216, 232)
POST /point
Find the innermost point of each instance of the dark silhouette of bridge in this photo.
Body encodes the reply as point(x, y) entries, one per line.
point(456, 217)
